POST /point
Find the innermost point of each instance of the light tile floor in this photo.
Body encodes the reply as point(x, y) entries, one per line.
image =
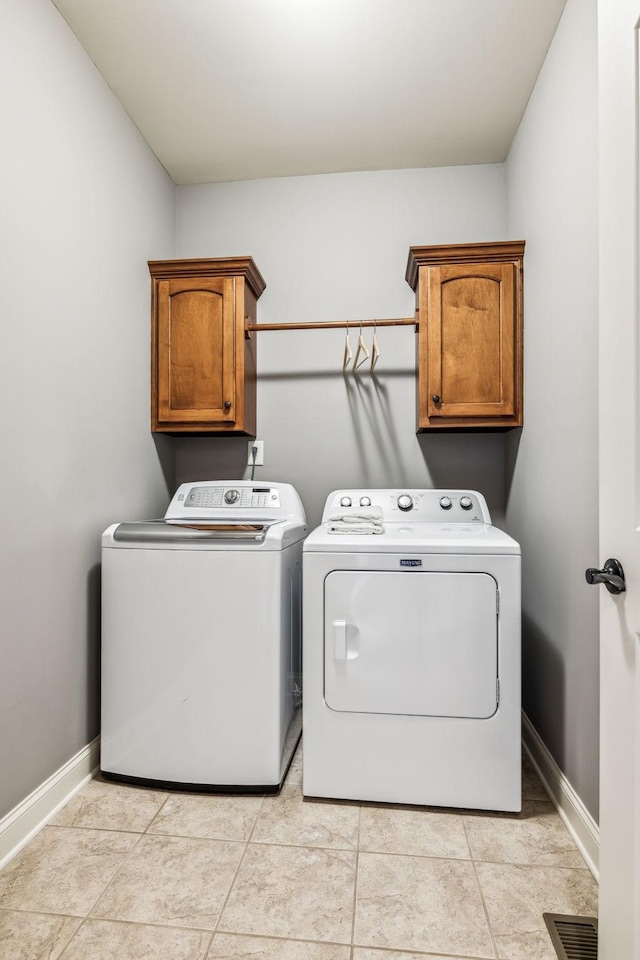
point(128, 874)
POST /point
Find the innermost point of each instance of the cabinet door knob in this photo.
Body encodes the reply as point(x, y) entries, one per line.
point(436, 398)
point(227, 404)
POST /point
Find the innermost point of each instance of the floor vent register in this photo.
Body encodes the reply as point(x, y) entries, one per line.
point(574, 938)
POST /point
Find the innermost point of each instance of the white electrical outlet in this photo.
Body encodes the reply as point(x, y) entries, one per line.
point(260, 454)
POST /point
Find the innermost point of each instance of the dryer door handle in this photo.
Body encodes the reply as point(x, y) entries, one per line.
point(339, 639)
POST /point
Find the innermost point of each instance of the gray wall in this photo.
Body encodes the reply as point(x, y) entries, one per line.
point(84, 204)
point(552, 476)
point(330, 248)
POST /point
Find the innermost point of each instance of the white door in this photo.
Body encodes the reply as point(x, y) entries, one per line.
point(619, 481)
point(418, 643)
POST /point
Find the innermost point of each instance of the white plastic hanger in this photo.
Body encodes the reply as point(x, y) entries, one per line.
point(375, 351)
point(361, 349)
point(347, 351)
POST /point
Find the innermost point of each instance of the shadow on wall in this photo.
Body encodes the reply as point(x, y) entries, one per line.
point(371, 416)
point(166, 459)
point(94, 600)
point(543, 687)
point(473, 461)
point(511, 456)
point(213, 458)
point(323, 429)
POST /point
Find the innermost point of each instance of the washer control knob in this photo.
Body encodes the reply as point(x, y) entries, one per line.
point(466, 503)
point(445, 503)
point(345, 502)
point(231, 496)
point(365, 501)
point(405, 502)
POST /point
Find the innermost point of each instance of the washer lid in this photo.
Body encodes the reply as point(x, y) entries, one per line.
point(162, 531)
point(204, 535)
point(416, 538)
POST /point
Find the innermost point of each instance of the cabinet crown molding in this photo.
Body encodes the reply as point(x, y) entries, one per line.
point(217, 267)
point(495, 252)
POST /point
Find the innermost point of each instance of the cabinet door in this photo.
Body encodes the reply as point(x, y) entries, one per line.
point(471, 341)
point(196, 350)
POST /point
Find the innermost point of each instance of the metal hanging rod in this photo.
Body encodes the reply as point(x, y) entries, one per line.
point(327, 324)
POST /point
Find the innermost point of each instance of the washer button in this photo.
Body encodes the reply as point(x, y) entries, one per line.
point(466, 503)
point(365, 501)
point(345, 502)
point(445, 503)
point(405, 502)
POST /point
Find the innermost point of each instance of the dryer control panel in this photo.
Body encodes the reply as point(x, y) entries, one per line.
point(425, 506)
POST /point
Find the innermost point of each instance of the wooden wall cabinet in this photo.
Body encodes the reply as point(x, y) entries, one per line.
point(469, 330)
point(203, 370)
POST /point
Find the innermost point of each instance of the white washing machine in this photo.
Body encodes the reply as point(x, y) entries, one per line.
point(411, 653)
point(201, 640)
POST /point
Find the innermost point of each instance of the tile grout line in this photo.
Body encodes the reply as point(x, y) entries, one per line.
point(421, 953)
point(157, 813)
point(41, 913)
point(120, 920)
point(71, 826)
point(304, 846)
point(106, 887)
point(581, 868)
point(207, 948)
point(355, 886)
point(208, 935)
point(139, 923)
point(276, 938)
point(101, 894)
point(480, 891)
point(528, 866)
point(415, 856)
point(237, 870)
point(124, 860)
point(72, 937)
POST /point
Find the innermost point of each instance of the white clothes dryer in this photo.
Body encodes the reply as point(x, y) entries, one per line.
point(201, 640)
point(411, 653)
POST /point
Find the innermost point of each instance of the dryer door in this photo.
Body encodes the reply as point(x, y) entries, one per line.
point(418, 643)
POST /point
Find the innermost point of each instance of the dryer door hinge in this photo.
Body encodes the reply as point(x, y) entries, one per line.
point(497, 691)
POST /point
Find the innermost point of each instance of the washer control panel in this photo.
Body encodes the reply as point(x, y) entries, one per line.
point(207, 496)
point(452, 506)
point(235, 500)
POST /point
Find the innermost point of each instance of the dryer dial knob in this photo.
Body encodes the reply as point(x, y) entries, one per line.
point(466, 503)
point(405, 502)
point(365, 501)
point(345, 502)
point(445, 503)
point(231, 496)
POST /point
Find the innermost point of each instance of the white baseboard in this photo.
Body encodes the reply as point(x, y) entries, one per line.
point(24, 821)
point(576, 817)
point(29, 817)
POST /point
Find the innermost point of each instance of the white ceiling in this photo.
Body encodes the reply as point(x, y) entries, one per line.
point(244, 89)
